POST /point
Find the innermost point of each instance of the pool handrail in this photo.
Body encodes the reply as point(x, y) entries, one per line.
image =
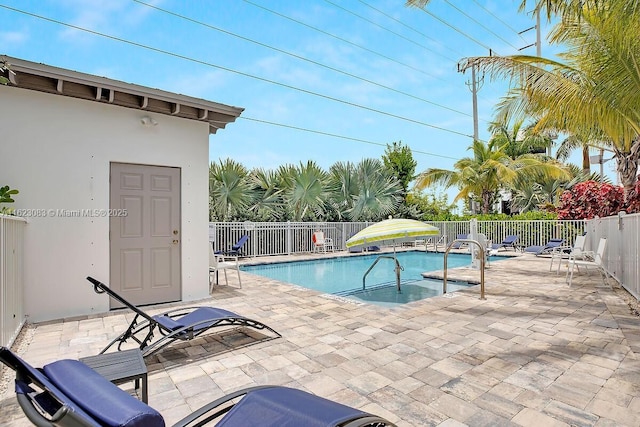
point(398, 269)
point(482, 264)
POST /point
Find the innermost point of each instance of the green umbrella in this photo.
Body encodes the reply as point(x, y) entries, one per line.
point(391, 232)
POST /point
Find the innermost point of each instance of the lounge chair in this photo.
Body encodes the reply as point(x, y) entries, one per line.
point(546, 249)
point(182, 324)
point(236, 248)
point(69, 393)
point(508, 242)
point(458, 245)
point(589, 259)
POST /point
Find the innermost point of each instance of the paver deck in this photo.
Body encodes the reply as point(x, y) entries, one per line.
point(534, 353)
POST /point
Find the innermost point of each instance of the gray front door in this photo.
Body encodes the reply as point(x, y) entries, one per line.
point(145, 244)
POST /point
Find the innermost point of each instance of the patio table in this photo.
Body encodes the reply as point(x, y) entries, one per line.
point(121, 366)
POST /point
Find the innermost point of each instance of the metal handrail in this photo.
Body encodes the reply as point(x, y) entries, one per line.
point(482, 264)
point(398, 269)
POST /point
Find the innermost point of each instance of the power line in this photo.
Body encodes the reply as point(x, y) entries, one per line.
point(479, 23)
point(455, 28)
point(302, 58)
point(339, 38)
point(408, 26)
point(388, 30)
point(209, 64)
point(381, 144)
point(503, 23)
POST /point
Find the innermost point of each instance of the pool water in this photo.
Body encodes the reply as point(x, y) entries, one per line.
point(343, 276)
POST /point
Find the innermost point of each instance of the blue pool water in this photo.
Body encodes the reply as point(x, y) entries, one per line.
point(343, 276)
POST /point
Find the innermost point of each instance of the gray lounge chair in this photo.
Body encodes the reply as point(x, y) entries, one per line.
point(182, 324)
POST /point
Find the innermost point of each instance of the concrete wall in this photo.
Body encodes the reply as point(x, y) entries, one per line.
point(57, 151)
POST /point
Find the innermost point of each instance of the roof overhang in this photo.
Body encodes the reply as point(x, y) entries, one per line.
point(60, 81)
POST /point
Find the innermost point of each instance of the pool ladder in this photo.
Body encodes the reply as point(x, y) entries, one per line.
point(397, 269)
point(482, 264)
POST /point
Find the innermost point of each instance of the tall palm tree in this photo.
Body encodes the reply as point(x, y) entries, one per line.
point(595, 91)
point(490, 169)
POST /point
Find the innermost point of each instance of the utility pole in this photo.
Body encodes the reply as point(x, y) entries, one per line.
point(538, 45)
point(475, 84)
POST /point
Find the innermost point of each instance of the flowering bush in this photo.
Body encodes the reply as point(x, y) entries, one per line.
point(589, 199)
point(633, 204)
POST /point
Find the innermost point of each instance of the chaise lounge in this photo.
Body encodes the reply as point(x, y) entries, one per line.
point(546, 249)
point(68, 393)
point(182, 324)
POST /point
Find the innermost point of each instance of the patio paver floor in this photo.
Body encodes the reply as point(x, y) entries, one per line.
point(534, 353)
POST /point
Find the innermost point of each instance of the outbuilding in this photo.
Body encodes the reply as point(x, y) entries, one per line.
point(113, 181)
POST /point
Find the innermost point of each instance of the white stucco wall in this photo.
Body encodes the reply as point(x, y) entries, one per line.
point(56, 151)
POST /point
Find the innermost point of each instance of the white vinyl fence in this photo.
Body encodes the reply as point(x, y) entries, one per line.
point(11, 278)
point(623, 246)
point(285, 238)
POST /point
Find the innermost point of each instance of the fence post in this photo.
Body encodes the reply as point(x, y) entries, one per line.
point(288, 237)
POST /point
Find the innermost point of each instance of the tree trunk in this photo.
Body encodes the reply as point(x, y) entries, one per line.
point(627, 167)
point(486, 202)
point(586, 162)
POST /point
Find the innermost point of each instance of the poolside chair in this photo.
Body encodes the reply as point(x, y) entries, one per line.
point(182, 324)
point(320, 242)
point(508, 242)
point(546, 249)
point(566, 252)
point(69, 393)
point(236, 248)
point(219, 262)
point(589, 259)
point(459, 245)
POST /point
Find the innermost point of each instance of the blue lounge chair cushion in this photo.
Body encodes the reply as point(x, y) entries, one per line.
point(106, 403)
point(287, 407)
point(509, 241)
point(198, 318)
point(538, 250)
point(23, 388)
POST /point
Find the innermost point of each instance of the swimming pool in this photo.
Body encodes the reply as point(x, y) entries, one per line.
point(342, 276)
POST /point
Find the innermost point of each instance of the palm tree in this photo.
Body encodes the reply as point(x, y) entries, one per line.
point(378, 193)
point(344, 188)
point(490, 169)
point(595, 92)
point(269, 204)
point(306, 190)
point(230, 191)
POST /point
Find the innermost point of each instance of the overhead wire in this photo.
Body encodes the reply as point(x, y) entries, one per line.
point(381, 144)
point(209, 64)
point(480, 23)
point(409, 27)
point(302, 58)
point(458, 30)
point(381, 55)
point(390, 31)
point(500, 20)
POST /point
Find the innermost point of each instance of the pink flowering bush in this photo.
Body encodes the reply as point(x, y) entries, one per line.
point(589, 199)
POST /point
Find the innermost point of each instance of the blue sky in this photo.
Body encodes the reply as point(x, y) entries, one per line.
point(355, 75)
